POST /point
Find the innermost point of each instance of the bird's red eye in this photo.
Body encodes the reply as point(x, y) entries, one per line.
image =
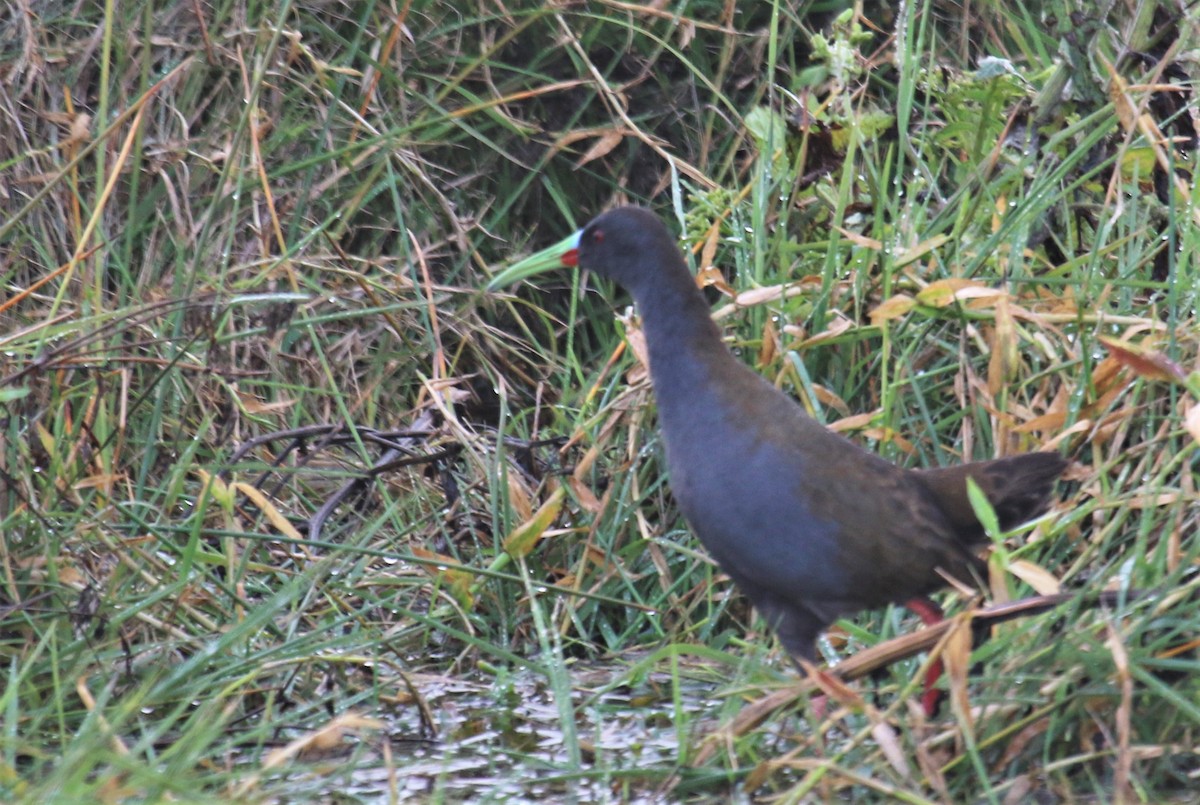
point(597, 235)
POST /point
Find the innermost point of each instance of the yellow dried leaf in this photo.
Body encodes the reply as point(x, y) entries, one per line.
point(860, 240)
point(712, 239)
point(957, 657)
point(893, 308)
point(768, 344)
point(605, 143)
point(835, 329)
point(1002, 363)
point(583, 494)
point(980, 297)
point(322, 739)
point(948, 291)
point(834, 688)
point(45, 437)
point(524, 537)
point(1035, 576)
point(1126, 113)
point(102, 482)
point(759, 296)
point(856, 422)
point(1050, 421)
point(711, 277)
point(252, 404)
point(71, 576)
point(268, 508)
point(1144, 362)
point(217, 488)
point(518, 497)
point(831, 400)
point(887, 741)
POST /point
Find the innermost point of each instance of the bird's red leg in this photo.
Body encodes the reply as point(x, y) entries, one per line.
point(930, 614)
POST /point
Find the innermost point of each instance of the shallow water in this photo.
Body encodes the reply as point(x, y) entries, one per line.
point(502, 740)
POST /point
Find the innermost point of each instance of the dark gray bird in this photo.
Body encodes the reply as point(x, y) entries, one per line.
point(810, 526)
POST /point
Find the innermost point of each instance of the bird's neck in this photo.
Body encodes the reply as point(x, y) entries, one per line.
point(684, 344)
